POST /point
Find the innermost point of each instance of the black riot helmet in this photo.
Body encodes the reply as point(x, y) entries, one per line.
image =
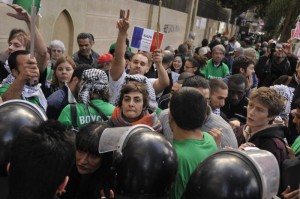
point(235, 174)
point(145, 162)
point(14, 114)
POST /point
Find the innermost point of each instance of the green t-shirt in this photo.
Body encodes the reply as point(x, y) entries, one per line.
point(212, 72)
point(34, 100)
point(84, 115)
point(296, 146)
point(190, 153)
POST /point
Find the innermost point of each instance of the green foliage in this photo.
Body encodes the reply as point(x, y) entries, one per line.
point(275, 13)
point(279, 15)
point(240, 6)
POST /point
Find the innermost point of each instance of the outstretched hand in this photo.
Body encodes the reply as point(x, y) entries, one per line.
point(21, 13)
point(122, 23)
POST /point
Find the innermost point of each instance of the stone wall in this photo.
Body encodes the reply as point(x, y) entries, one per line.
point(63, 20)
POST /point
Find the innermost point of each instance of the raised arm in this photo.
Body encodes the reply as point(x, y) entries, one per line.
point(40, 47)
point(163, 79)
point(118, 63)
point(29, 71)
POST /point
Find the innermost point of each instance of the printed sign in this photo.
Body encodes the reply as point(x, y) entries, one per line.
point(145, 39)
point(297, 31)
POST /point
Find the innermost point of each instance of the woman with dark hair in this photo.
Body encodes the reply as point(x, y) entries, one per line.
point(195, 65)
point(133, 107)
point(93, 98)
point(89, 176)
point(178, 63)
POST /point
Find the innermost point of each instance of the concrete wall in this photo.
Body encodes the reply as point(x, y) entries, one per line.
point(211, 28)
point(172, 23)
point(199, 29)
point(6, 24)
point(63, 20)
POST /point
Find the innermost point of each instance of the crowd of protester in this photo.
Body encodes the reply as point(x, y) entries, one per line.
point(225, 93)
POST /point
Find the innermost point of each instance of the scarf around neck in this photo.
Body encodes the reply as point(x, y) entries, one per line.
point(35, 91)
point(148, 119)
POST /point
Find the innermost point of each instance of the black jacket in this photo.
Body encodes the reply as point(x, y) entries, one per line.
point(268, 70)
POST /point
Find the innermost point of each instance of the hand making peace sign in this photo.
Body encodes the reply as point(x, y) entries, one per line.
point(122, 23)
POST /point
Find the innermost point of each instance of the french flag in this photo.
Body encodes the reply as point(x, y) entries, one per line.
point(145, 39)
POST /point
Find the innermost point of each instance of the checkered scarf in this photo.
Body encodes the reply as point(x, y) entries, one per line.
point(94, 80)
point(287, 93)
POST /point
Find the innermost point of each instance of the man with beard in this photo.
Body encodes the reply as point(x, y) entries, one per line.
point(235, 107)
point(215, 68)
point(277, 61)
point(85, 55)
point(138, 66)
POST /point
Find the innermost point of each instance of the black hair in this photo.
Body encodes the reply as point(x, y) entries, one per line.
point(41, 157)
point(183, 62)
point(84, 35)
point(237, 79)
point(188, 108)
point(12, 59)
point(241, 62)
point(128, 55)
point(195, 82)
point(204, 42)
point(88, 137)
point(79, 70)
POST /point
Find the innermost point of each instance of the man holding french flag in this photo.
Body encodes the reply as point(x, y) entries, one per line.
point(138, 66)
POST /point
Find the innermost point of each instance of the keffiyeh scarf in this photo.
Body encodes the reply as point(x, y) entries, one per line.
point(94, 80)
point(9, 79)
point(287, 93)
point(35, 91)
point(148, 119)
point(28, 91)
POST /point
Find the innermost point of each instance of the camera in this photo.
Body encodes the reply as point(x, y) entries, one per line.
point(273, 46)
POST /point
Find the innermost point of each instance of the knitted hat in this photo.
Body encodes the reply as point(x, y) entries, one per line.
point(105, 58)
